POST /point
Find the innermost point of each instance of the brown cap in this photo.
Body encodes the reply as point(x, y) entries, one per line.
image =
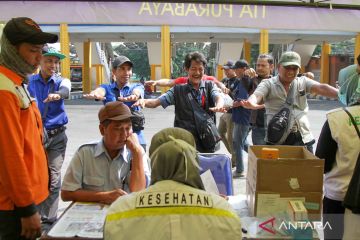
point(114, 111)
point(23, 29)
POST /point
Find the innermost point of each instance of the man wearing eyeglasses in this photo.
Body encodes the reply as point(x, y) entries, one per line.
point(273, 92)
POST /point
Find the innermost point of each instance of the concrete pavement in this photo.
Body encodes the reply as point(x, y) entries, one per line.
point(83, 127)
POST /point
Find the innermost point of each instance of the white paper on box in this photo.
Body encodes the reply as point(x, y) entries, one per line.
point(294, 183)
point(209, 182)
point(267, 203)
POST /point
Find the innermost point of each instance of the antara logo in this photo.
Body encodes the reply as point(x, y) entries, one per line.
point(265, 228)
point(268, 225)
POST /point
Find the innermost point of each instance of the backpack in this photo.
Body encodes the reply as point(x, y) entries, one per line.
point(279, 127)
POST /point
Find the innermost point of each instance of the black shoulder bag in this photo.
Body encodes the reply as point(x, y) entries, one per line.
point(138, 118)
point(352, 197)
point(205, 125)
point(280, 125)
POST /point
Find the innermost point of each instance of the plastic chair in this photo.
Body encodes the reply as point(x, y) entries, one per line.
point(220, 167)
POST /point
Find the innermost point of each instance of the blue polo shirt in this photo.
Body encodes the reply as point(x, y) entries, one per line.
point(112, 92)
point(39, 89)
point(241, 115)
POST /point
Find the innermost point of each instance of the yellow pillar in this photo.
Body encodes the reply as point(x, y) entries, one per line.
point(357, 47)
point(264, 41)
point(325, 69)
point(99, 74)
point(2, 25)
point(65, 49)
point(153, 72)
point(220, 73)
point(247, 51)
point(86, 70)
point(165, 51)
point(302, 69)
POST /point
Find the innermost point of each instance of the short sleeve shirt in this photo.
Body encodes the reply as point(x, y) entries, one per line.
point(92, 169)
point(274, 96)
point(168, 98)
point(39, 89)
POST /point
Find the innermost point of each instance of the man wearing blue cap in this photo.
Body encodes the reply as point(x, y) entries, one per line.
point(50, 89)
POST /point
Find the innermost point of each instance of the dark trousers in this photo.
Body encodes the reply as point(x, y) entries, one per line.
point(10, 226)
point(333, 213)
point(295, 139)
point(56, 154)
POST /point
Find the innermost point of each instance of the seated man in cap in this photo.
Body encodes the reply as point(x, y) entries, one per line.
point(122, 90)
point(175, 205)
point(105, 170)
point(50, 89)
point(23, 167)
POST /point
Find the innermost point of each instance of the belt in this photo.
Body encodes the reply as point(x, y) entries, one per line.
point(55, 131)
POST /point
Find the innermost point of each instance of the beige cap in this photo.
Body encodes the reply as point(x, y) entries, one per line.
point(114, 111)
point(290, 59)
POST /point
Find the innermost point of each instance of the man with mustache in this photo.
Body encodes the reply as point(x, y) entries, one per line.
point(205, 93)
point(50, 89)
point(110, 168)
point(273, 93)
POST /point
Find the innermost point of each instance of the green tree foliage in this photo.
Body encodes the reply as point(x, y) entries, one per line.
point(138, 54)
point(179, 50)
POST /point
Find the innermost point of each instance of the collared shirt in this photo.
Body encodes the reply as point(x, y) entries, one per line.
point(112, 92)
point(274, 96)
point(168, 98)
point(39, 89)
point(92, 169)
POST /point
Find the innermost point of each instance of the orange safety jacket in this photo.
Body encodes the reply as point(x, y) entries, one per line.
point(24, 177)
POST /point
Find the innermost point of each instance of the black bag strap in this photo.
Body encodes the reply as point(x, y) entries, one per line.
point(46, 108)
point(352, 120)
point(291, 94)
point(195, 104)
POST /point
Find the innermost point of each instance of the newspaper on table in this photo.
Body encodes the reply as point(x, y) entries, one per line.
point(81, 220)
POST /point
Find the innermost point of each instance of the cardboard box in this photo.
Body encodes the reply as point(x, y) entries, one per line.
point(269, 153)
point(297, 211)
point(296, 170)
point(266, 203)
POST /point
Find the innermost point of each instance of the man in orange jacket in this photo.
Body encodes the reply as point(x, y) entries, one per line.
point(23, 167)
